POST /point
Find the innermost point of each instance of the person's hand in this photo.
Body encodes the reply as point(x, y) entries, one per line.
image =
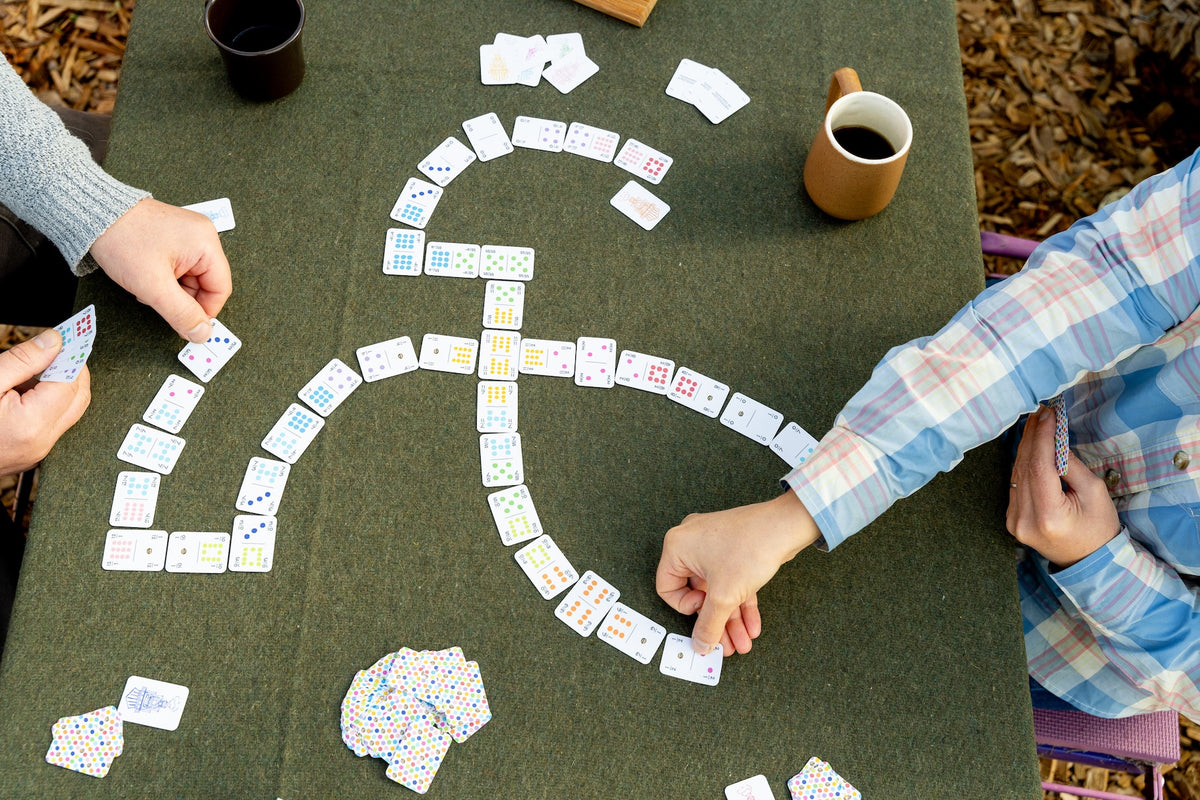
point(714, 564)
point(31, 421)
point(1063, 523)
point(170, 259)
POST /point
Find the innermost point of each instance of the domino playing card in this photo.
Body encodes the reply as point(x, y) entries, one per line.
point(645, 372)
point(416, 761)
point(591, 142)
point(206, 359)
point(452, 259)
point(523, 56)
point(636, 202)
point(755, 788)
point(818, 781)
point(679, 660)
point(387, 359)
point(403, 252)
point(173, 404)
point(499, 352)
point(446, 162)
point(698, 392)
point(504, 305)
point(547, 357)
point(496, 407)
point(793, 444)
point(135, 551)
point(516, 518)
point(197, 551)
point(78, 336)
point(416, 203)
point(717, 96)
point(539, 134)
point(156, 704)
point(500, 459)
point(586, 604)
point(751, 418)
point(448, 353)
point(252, 544)
point(219, 211)
point(508, 263)
point(568, 73)
point(487, 136)
point(546, 566)
point(634, 634)
point(330, 387)
point(262, 486)
point(151, 449)
point(293, 433)
point(134, 500)
point(643, 161)
point(595, 362)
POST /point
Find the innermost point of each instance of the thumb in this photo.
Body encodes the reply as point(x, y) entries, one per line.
point(28, 359)
point(183, 313)
point(1080, 479)
point(710, 625)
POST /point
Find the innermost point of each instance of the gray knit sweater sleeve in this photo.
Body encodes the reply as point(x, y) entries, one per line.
point(48, 177)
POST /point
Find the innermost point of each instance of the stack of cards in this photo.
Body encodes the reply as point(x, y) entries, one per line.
point(78, 335)
point(1061, 442)
point(708, 89)
point(818, 781)
point(87, 743)
point(522, 60)
point(407, 708)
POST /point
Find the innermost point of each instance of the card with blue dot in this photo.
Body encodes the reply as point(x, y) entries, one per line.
point(330, 387)
point(500, 458)
point(447, 161)
point(416, 203)
point(262, 486)
point(496, 407)
point(151, 449)
point(173, 404)
point(204, 360)
point(293, 433)
point(134, 500)
point(452, 259)
point(793, 444)
point(252, 544)
point(403, 252)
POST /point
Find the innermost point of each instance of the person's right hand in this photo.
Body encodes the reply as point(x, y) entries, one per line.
point(31, 421)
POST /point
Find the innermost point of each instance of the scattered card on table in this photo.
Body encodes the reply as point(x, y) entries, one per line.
point(330, 387)
point(134, 500)
point(498, 65)
point(634, 634)
point(751, 418)
point(547, 357)
point(568, 73)
point(535, 133)
point(151, 449)
point(685, 82)
point(755, 788)
point(500, 459)
point(487, 136)
point(134, 551)
point(452, 259)
point(173, 404)
point(645, 372)
point(197, 551)
point(586, 604)
point(220, 211)
point(416, 203)
point(718, 96)
point(387, 359)
point(516, 518)
point(499, 352)
point(293, 433)
point(262, 486)
point(643, 161)
point(595, 362)
point(591, 142)
point(546, 566)
point(157, 704)
point(87, 743)
point(252, 543)
point(818, 781)
point(78, 336)
point(698, 392)
point(506, 263)
point(447, 161)
point(561, 46)
point(504, 305)
point(794, 444)
point(206, 359)
point(636, 202)
point(679, 660)
point(496, 407)
point(448, 353)
point(403, 252)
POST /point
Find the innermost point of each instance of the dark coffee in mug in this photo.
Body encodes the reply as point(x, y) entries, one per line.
point(864, 142)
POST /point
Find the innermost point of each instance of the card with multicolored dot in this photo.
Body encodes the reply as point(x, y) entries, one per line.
point(417, 760)
point(631, 632)
point(546, 566)
point(134, 500)
point(206, 359)
point(818, 781)
point(698, 392)
point(174, 403)
point(387, 359)
point(134, 551)
point(87, 743)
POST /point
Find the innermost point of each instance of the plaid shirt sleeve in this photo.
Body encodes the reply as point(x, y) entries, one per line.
point(1087, 297)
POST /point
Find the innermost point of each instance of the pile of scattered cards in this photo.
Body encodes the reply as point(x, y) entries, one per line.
point(708, 89)
point(817, 781)
point(407, 708)
point(522, 59)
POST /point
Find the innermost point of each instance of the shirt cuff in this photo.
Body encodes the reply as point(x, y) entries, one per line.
point(1109, 585)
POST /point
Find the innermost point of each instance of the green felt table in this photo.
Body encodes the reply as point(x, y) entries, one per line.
point(897, 657)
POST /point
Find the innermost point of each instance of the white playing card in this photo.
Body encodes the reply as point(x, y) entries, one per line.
point(330, 387)
point(173, 404)
point(546, 566)
point(293, 433)
point(547, 357)
point(640, 205)
point(448, 353)
point(634, 634)
point(679, 660)
point(755, 788)
point(508, 263)
point(416, 203)
point(447, 161)
point(403, 252)
point(135, 551)
point(718, 96)
point(567, 74)
point(500, 459)
point(151, 449)
point(220, 211)
point(452, 259)
point(591, 142)
point(529, 56)
point(252, 544)
point(206, 359)
point(560, 46)
point(498, 65)
point(134, 500)
point(387, 359)
point(595, 362)
point(535, 133)
point(516, 518)
point(793, 444)
point(499, 353)
point(157, 704)
point(197, 551)
point(586, 604)
point(643, 161)
point(686, 81)
point(698, 392)
point(751, 418)
point(487, 136)
point(78, 336)
point(496, 407)
point(504, 305)
point(262, 486)
point(645, 372)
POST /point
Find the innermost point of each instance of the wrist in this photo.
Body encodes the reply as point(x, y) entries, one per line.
point(793, 527)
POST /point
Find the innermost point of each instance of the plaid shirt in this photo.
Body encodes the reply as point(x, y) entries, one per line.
point(1107, 313)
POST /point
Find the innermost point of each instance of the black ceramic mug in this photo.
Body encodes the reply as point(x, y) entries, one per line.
point(259, 41)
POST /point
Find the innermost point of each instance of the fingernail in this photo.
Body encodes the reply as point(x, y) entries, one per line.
point(703, 648)
point(1043, 413)
point(696, 606)
point(47, 339)
point(199, 333)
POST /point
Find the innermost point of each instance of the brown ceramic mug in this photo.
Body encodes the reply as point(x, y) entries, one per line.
point(856, 159)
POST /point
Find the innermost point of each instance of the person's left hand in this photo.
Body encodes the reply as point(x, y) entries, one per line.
point(170, 259)
point(1064, 524)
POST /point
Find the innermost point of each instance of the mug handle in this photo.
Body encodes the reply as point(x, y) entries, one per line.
point(844, 81)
